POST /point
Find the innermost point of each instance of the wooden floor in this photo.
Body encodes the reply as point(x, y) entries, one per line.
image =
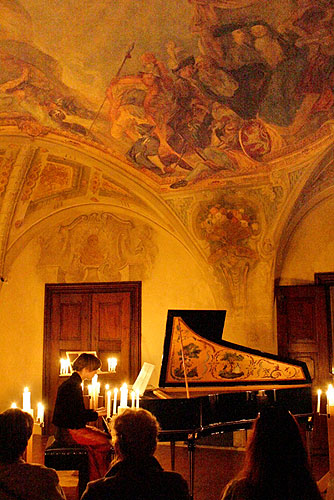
point(215, 466)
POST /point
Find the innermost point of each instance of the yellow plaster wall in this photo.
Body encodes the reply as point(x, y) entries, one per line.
point(311, 248)
point(177, 281)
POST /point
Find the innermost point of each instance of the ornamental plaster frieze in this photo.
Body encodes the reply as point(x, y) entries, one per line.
point(97, 247)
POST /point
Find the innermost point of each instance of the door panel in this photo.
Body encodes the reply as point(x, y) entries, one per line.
point(101, 317)
point(111, 329)
point(302, 334)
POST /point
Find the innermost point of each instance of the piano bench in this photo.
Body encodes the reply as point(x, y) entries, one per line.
point(60, 456)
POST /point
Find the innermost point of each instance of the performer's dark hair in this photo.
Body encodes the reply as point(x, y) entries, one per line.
point(86, 360)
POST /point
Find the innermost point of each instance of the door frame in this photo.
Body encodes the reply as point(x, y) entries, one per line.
point(327, 280)
point(131, 287)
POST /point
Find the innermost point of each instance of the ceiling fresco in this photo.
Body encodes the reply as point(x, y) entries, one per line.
point(190, 93)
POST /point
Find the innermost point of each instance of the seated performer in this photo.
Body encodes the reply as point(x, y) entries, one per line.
point(276, 463)
point(70, 417)
point(135, 474)
point(18, 479)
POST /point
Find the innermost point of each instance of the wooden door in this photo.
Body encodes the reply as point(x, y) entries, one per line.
point(100, 317)
point(302, 334)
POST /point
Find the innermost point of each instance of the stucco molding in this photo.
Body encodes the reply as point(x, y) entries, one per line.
point(21, 158)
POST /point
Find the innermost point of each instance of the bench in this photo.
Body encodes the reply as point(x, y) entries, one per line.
point(60, 456)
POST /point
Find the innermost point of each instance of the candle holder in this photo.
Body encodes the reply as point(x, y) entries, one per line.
point(326, 483)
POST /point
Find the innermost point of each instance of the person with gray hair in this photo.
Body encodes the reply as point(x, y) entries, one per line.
point(135, 474)
point(20, 480)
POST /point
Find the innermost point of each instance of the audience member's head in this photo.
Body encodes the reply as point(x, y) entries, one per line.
point(16, 427)
point(276, 462)
point(276, 434)
point(134, 434)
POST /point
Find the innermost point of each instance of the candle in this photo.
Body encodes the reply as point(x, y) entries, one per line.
point(112, 363)
point(90, 394)
point(137, 398)
point(133, 399)
point(115, 401)
point(106, 389)
point(108, 403)
point(40, 413)
point(95, 392)
point(26, 400)
point(124, 396)
point(319, 400)
point(13, 405)
point(65, 367)
point(330, 397)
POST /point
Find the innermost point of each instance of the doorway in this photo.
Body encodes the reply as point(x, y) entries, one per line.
point(303, 333)
point(93, 317)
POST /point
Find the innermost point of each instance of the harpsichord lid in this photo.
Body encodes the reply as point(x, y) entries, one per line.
point(194, 340)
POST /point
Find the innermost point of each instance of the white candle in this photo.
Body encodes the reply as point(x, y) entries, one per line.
point(64, 367)
point(115, 401)
point(124, 396)
point(330, 396)
point(26, 400)
point(319, 400)
point(95, 392)
point(106, 389)
point(137, 398)
point(90, 394)
point(40, 413)
point(108, 403)
point(112, 363)
point(133, 399)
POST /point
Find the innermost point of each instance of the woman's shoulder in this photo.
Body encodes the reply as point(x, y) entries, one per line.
point(38, 470)
point(237, 489)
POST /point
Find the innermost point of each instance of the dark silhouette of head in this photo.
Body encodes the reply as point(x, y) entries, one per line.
point(276, 463)
point(134, 434)
point(86, 360)
point(16, 427)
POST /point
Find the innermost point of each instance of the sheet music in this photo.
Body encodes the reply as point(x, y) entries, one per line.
point(143, 378)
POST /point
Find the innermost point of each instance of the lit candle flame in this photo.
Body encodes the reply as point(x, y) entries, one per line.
point(112, 363)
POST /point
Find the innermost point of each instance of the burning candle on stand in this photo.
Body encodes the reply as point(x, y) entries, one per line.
point(319, 392)
point(26, 400)
point(90, 395)
point(112, 363)
point(106, 389)
point(330, 398)
point(40, 413)
point(123, 404)
point(115, 401)
point(95, 391)
point(108, 403)
point(65, 367)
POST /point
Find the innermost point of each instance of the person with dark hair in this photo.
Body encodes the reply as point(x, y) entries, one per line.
point(18, 479)
point(71, 417)
point(135, 473)
point(276, 463)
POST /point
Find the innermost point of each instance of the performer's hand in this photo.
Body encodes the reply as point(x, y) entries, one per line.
point(101, 411)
